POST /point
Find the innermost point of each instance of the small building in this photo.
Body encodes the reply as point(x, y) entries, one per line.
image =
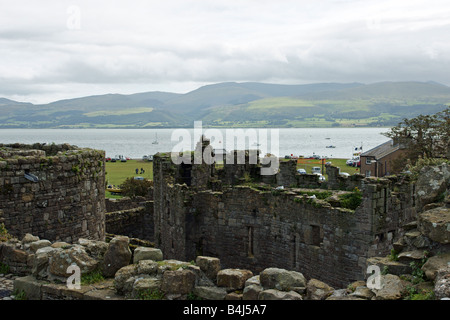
point(377, 162)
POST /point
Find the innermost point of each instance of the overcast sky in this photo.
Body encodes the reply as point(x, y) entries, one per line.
point(51, 50)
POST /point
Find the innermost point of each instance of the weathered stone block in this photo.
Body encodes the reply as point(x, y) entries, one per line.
point(393, 267)
point(145, 253)
point(233, 279)
point(435, 224)
point(146, 285)
point(117, 256)
point(149, 267)
point(61, 259)
point(442, 284)
point(41, 262)
point(34, 246)
point(392, 288)
point(210, 293)
point(209, 265)
point(178, 282)
point(28, 238)
point(122, 276)
point(363, 292)
point(318, 290)
point(30, 286)
point(281, 279)
point(434, 264)
point(94, 248)
point(251, 292)
point(273, 294)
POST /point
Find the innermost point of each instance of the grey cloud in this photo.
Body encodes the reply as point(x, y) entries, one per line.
point(152, 43)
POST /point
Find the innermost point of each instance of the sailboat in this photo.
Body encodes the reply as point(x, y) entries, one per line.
point(156, 139)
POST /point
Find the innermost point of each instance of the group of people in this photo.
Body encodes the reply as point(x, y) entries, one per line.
point(142, 171)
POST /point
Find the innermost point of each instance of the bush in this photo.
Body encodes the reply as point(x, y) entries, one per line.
point(351, 200)
point(136, 188)
point(4, 235)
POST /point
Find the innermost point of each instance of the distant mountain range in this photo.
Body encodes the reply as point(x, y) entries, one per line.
point(233, 104)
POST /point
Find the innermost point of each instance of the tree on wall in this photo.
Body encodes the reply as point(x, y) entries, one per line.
point(425, 136)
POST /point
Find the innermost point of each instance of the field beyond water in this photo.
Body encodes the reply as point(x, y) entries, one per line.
point(118, 172)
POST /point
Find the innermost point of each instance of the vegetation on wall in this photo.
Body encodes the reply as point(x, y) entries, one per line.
point(351, 200)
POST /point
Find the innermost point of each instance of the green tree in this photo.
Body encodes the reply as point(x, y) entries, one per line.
point(425, 136)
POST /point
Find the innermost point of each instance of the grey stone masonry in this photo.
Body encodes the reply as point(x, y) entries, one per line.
point(55, 192)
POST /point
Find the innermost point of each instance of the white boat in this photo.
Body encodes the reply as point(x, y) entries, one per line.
point(156, 139)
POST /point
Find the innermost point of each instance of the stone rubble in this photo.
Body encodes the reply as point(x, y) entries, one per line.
point(7, 286)
point(144, 274)
point(39, 269)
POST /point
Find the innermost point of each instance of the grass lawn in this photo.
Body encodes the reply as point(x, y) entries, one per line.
point(117, 172)
point(307, 164)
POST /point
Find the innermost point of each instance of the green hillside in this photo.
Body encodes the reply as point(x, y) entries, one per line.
point(234, 104)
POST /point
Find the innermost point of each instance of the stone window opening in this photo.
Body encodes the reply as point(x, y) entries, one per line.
point(379, 237)
point(316, 238)
point(250, 250)
point(186, 173)
point(295, 251)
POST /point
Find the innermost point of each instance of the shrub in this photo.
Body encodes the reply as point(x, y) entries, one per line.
point(4, 235)
point(135, 188)
point(351, 200)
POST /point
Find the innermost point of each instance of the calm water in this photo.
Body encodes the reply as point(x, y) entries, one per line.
point(135, 143)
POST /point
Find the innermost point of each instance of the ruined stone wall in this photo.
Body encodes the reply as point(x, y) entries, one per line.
point(135, 222)
point(255, 228)
point(65, 202)
point(125, 203)
point(251, 229)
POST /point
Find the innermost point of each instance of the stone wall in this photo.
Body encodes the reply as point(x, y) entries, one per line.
point(135, 222)
point(53, 191)
point(255, 227)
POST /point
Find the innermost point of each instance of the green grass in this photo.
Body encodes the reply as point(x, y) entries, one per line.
point(118, 112)
point(280, 102)
point(4, 268)
point(118, 172)
point(92, 277)
point(308, 164)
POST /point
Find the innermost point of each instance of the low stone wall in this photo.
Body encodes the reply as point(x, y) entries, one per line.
point(125, 203)
point(136, 222)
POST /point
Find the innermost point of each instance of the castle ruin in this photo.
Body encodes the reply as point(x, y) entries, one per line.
point(55, 192)
point(326, 230)
point(286, 220)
